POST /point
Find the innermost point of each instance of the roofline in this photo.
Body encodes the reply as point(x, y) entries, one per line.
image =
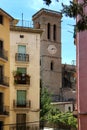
point(62, 103)
point(25, 29)
point(48, 10)
point(5, 13)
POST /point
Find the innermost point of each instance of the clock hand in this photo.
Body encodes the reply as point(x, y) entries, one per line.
point(52, 48)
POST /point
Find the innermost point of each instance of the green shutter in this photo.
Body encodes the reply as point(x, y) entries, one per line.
point(22, 70)
point(21, 97)
point(21, 49)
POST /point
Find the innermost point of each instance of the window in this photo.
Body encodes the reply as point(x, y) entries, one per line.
point(1, 44)
point(54, 32)
point(21, 121)
point(21, 36)
point(1, 125)
point(51, 65)
point(1, 73)
point(1, 102)
point(1, 19)
point(21, 53)
point(69, 108)
point(21, 98)
point(22, 49)
point(1, 47)
point(48, 31)
point(22, 70)
point(23, 75)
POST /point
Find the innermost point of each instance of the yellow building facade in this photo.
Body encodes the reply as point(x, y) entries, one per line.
point(4, 67)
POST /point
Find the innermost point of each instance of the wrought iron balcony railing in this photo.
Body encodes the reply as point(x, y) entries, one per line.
point(25, 126)
point(21, 104)
point(4, 110)
point(20, 78)
point(4, 81)
point(3, 54)
point(22, 23)
point(22, 57)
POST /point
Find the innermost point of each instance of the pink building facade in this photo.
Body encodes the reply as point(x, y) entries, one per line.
point(82, 78)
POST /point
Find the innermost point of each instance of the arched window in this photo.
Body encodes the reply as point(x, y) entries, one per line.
point(48, 31)
point(54, 32)
point(51, 65)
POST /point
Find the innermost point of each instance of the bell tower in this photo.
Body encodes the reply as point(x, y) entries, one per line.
point(50, 49)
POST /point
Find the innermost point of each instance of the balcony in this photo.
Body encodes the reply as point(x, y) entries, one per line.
point(25, 126)
point(22, 57)
point(20, 78)
point(22, 104)
point(22, 23)
point(4, 81)
point(4, 110)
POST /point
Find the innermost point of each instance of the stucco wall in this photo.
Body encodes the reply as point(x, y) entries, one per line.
point(32, 42)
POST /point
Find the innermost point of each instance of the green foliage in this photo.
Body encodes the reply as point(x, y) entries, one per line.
point(82, 24)
point(52, 114)
point(45, 103)
point(66, 119)
point(48, 2)
point(72, 121)
point(73, 10)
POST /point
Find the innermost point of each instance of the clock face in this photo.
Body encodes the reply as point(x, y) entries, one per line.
point(52, 49)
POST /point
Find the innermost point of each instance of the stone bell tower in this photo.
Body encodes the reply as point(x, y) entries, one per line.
point(50, 49)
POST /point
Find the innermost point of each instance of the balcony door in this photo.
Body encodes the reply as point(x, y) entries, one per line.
point(22, 52)
point(1, 48)
point(21, 98)
point(21, 121)
point(1, 125)
point(1, 74)
point(1, 103)
point(23, 72)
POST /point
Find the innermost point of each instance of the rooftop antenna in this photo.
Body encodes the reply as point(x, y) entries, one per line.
point(22, 19)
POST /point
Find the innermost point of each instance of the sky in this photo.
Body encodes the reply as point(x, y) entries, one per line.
point(29, 7)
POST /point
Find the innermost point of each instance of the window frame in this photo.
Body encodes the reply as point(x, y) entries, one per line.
point(1, 19)
point(21, 102)
point(51, 65)
point(54, 32)
point(48, 31)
